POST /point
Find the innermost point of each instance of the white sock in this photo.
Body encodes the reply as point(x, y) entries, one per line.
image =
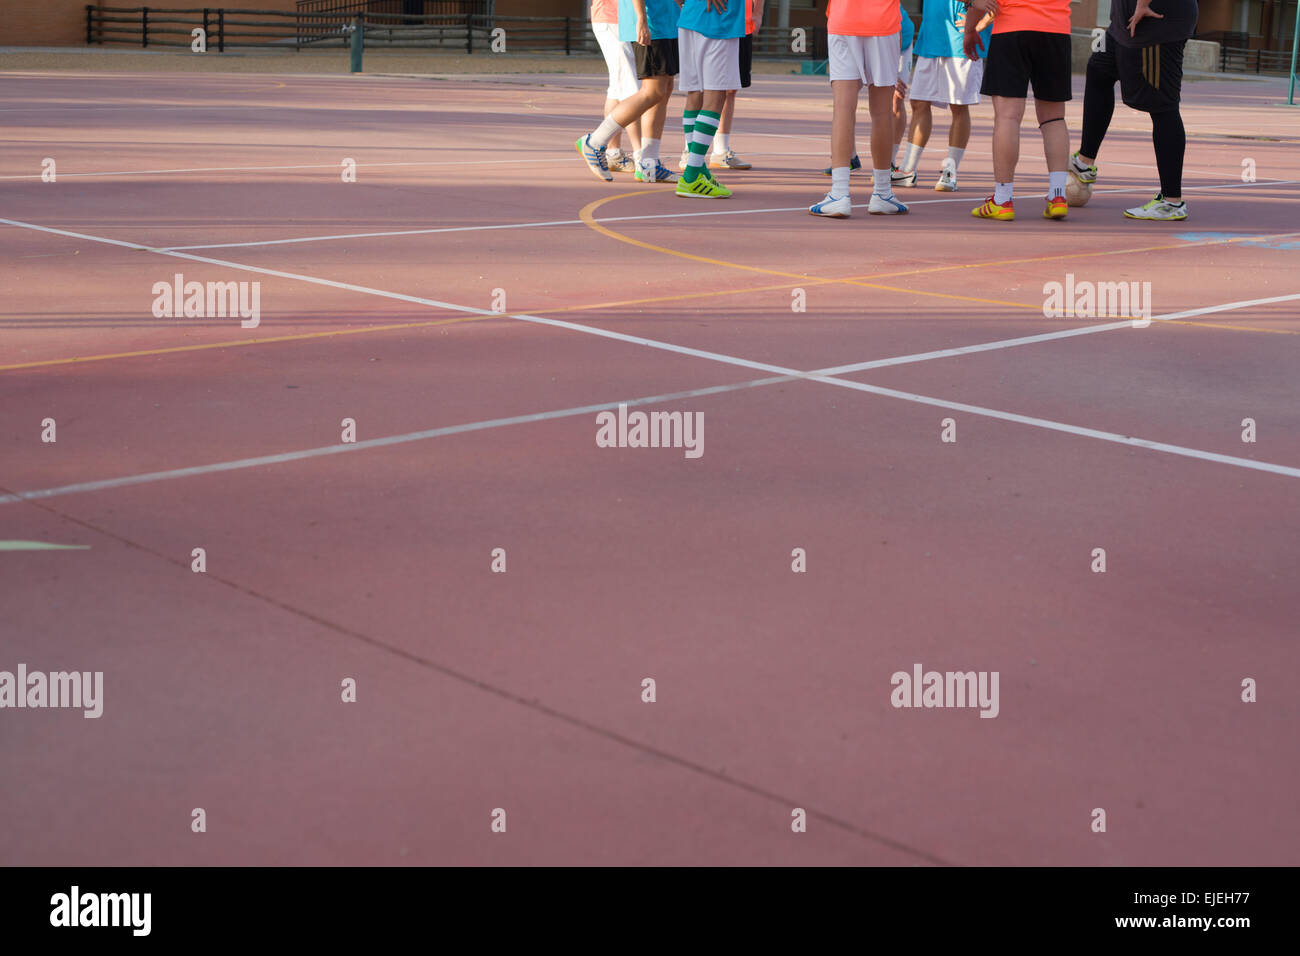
point(636, 156)
point(1002, 193)
point(650, 149)
point(603, 133)
point(955, 154)
point(880, 183)
point(839, 182)
point(912, 158)
point(721, 143)
point(1055, 184)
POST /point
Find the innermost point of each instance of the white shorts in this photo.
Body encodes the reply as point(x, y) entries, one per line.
point(905, 67)
point(871, 60)
point(707, 63)
point(620, 60)
point(945, 80)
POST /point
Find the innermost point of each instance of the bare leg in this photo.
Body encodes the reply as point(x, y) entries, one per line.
point(1008, 111)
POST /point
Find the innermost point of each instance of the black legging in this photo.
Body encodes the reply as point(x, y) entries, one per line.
point(1167, 132)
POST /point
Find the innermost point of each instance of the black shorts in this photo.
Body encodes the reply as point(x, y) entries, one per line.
point(746, 60)
point(1150, 77)
point(1020, 58)
point(657, 59)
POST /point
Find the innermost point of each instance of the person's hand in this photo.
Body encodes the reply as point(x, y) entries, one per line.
point(717, 6)
point(642, 32)
point(985, 6)
point(960, 21)
point(758, 14)
point(971, 45)
point(1143, 10)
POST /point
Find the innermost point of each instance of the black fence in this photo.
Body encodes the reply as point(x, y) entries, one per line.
point(385, 24)
point(1240, 60)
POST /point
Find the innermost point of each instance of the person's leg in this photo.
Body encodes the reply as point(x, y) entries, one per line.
point(1056, 149)
point(844, 119)
point(922, 119)
point(720, 141)
point(711, 104)
point(616, 140)
point(1098, 105)
point(959, 131)
point(650, 167)
point(1170, 140)
point(1008, 112)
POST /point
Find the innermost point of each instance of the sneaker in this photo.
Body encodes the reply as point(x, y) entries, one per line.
point(993, 210)
point(594, 158)
point(854, 165)
point(728, 161)
point(1158, 209)
point(619, 161)
point(1056, 208)
point(832, 208)
point(899, 178)
point(947, 178)
point(703, 187)
point(1089, 174)
point(685, 160)
point(885, 205)
point(655, 172)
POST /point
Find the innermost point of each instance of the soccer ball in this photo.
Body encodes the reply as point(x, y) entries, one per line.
point(1077, 193)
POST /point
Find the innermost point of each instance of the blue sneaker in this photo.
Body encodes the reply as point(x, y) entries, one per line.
point(854, 165)
point(832, 208)
point(595, 159)
point(658, 174)
point(885, 205)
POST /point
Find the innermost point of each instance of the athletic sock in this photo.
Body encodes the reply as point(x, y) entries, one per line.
point(602, 134)
point(955, 154)
point(650, 149)
point(706, 125)
point(1002, 193)
point(721, 143)
point(688, 126)
point(880, 182)
point(912, 158)
point(840, 182)
point(1056, 185)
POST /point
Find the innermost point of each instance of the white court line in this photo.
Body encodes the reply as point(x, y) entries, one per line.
point(673, 215)
point(238, 169)
point(376, 442)
point(782, 373)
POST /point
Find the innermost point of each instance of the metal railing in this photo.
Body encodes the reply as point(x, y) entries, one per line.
point(329, 23)
point(1240, 60)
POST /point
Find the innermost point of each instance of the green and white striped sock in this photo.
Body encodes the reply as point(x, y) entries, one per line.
point(706, 126)
point(688, 124)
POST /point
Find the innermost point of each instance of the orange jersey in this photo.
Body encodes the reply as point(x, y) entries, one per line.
point(604, 11)
point(749, 16)
point(864, 18)
point(1045, 16)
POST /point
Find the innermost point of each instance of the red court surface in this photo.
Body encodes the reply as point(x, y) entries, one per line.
point(475, 430)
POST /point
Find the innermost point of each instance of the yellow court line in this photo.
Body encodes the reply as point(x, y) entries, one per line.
point(587, 215)
point(1231, 328)
point(237, 343)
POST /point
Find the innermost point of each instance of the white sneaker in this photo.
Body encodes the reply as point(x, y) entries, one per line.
point(899, 177)
point(947, 178)
point(832, 208)
point(885, 205)
point(1158, 209)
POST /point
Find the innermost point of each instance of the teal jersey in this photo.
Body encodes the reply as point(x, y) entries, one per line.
point(697, 16)
point(660, 15)
point(940, 35)
point(908, 30)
